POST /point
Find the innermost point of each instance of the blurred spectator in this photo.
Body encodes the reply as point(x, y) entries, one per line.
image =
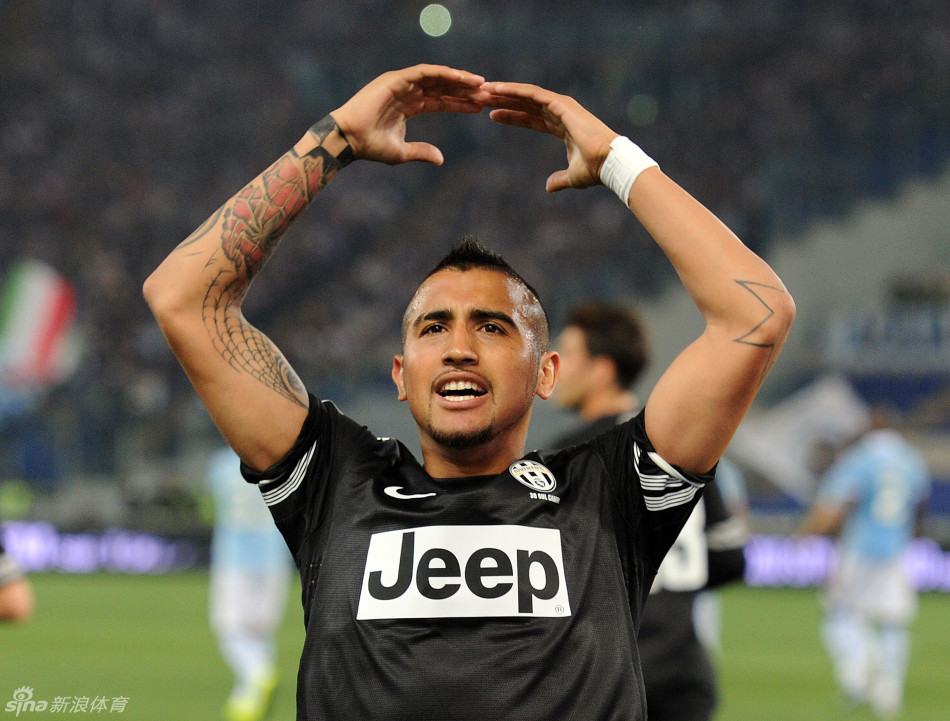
point(874, 495)
point(250, 574)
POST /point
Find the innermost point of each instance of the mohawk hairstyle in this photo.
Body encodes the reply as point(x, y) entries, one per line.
point(469, 253)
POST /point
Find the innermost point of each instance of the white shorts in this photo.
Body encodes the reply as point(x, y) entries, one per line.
point(878, 591)
point(248, 601)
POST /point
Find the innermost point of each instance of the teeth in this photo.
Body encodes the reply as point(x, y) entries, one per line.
point(460, 386)
point(460, 391)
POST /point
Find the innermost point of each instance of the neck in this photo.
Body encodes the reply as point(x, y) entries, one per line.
point(610, 402)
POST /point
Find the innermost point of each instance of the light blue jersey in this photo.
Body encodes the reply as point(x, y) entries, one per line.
point(731, 485)
point(245, 537)
point(885, 478)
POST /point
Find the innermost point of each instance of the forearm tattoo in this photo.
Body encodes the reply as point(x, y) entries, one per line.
point(258, 216)
point(252, 224)
point(243, 346)
point(760, 292)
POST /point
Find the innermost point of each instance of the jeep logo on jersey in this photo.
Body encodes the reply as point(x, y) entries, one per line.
point(534, 475)
point(464, 571)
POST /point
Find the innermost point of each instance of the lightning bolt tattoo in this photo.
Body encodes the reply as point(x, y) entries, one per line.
point(759, 291)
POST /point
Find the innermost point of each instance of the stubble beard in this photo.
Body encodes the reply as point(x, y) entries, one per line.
point(462, 440)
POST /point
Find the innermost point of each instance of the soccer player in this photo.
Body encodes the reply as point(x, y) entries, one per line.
point(604, 349)
point(874, 495)
point(250, 574)
point(16, 593)
point(481, 582)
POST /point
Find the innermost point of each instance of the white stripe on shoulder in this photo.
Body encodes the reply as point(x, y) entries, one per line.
point(658, 459)
point(670, 499)
point(292, 483)
point(666, 490)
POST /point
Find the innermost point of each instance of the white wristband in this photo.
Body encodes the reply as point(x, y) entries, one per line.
point(623, 164)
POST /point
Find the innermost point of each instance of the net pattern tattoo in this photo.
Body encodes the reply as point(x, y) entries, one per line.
point(244, 347)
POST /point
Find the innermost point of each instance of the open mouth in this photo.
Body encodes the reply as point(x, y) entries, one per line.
point(457, 391)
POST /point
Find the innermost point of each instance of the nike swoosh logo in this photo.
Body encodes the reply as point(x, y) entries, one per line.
point(396, 492)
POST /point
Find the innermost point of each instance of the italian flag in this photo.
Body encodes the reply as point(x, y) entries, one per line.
point(37, 313)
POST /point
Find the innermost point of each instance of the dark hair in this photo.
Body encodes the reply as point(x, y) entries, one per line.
point(470, 254)
point(617, 333)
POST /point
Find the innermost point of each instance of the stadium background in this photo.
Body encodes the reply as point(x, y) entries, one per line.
point(819, 131)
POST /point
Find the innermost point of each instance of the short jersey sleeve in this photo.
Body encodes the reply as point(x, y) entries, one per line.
point(655, 497)
point(298, 489)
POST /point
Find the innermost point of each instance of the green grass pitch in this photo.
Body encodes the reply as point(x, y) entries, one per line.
point(146, 638)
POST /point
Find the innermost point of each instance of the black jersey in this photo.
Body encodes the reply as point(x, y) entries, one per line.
point(678, 673)
point(494, 597)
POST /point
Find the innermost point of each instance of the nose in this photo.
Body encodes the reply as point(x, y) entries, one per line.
point(460, 348)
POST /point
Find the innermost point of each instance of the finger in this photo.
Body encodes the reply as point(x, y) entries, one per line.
point(417, 87)
point(456, 90)
point(443, 95)
point(439, 80)
point(520, 119)
point(442, 88)
point(518, 90)
point(506, 102)
point(526, 98)
point(422, 152)
point(451, 104)
point(557, 181)
point(426, 76)
point(511, 104)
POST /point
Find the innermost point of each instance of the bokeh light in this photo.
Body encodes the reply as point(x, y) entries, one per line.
point(643, 110)
point(435, 20)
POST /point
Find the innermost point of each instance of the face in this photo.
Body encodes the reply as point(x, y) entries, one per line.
point(576, 368)
point(470, 367)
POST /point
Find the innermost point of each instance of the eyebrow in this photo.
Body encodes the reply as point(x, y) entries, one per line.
point(478, 314)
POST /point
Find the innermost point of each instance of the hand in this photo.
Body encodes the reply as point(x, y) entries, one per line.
point(587, 138)
point(374, 120)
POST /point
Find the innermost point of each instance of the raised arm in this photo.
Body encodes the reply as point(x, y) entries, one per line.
point(697, 404)
point(251, 392)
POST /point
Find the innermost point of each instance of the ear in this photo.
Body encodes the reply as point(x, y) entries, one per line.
point(548, 372)
point(397, 378)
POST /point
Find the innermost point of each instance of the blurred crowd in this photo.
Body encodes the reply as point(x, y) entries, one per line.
point(124, 124)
